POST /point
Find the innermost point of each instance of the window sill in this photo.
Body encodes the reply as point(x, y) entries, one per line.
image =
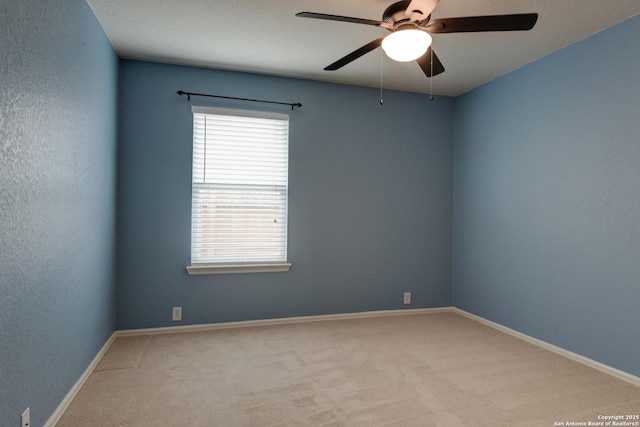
point(196, 270)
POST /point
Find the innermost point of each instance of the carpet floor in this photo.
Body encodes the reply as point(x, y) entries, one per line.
point(411, 370)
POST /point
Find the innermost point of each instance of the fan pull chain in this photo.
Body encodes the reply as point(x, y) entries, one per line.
point(381, 58)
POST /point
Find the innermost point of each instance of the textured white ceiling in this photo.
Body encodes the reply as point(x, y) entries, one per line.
point(266, 37)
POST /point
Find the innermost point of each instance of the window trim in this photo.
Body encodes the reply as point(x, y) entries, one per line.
point(202, 269)
point(240, 113)
point(196, 269)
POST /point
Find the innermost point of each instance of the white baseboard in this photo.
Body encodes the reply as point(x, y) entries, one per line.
point(625, 376)
point(281, 321)
point(57, 414)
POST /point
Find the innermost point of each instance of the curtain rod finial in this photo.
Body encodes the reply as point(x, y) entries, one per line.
point(181, 92)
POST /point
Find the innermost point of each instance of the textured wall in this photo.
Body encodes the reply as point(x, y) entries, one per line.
point(547, 199)
point(58, 89)
point(369, 208)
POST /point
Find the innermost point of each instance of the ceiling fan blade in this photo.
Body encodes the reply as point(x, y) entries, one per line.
point(419, 10)
point(470, 24)
point(355, 55)
point(343, 19)
point(425, 63)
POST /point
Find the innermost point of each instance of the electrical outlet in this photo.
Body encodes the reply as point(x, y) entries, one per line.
point(176, 314)
point(25, 418)
point(407, 297)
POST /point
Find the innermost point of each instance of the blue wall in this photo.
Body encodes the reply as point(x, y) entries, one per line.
point(547, 199)
point(547, 207)
point(369, 206)
point(58, 88)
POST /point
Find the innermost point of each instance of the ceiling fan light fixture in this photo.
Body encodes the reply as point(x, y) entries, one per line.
point(406, 45)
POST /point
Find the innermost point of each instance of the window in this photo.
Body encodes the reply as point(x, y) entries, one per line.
point(239, 191)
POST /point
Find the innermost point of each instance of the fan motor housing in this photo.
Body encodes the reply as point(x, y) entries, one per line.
point(395, 13)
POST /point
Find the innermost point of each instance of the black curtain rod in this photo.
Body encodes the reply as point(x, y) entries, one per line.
point(190, 94)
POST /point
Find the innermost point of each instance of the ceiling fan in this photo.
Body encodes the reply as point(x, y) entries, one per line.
point(411, 27)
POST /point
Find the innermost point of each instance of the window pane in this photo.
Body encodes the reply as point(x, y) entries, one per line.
point(239, 201)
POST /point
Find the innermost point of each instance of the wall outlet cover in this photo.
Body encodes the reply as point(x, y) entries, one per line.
point(25, 418)
point(176, 314)
point(407, 297)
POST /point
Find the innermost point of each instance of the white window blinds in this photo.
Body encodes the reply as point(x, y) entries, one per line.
point(240, 187)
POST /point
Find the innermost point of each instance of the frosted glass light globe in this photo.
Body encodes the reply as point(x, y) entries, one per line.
point(406, 45)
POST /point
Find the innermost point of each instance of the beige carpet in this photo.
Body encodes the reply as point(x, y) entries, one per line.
point(416, 370)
